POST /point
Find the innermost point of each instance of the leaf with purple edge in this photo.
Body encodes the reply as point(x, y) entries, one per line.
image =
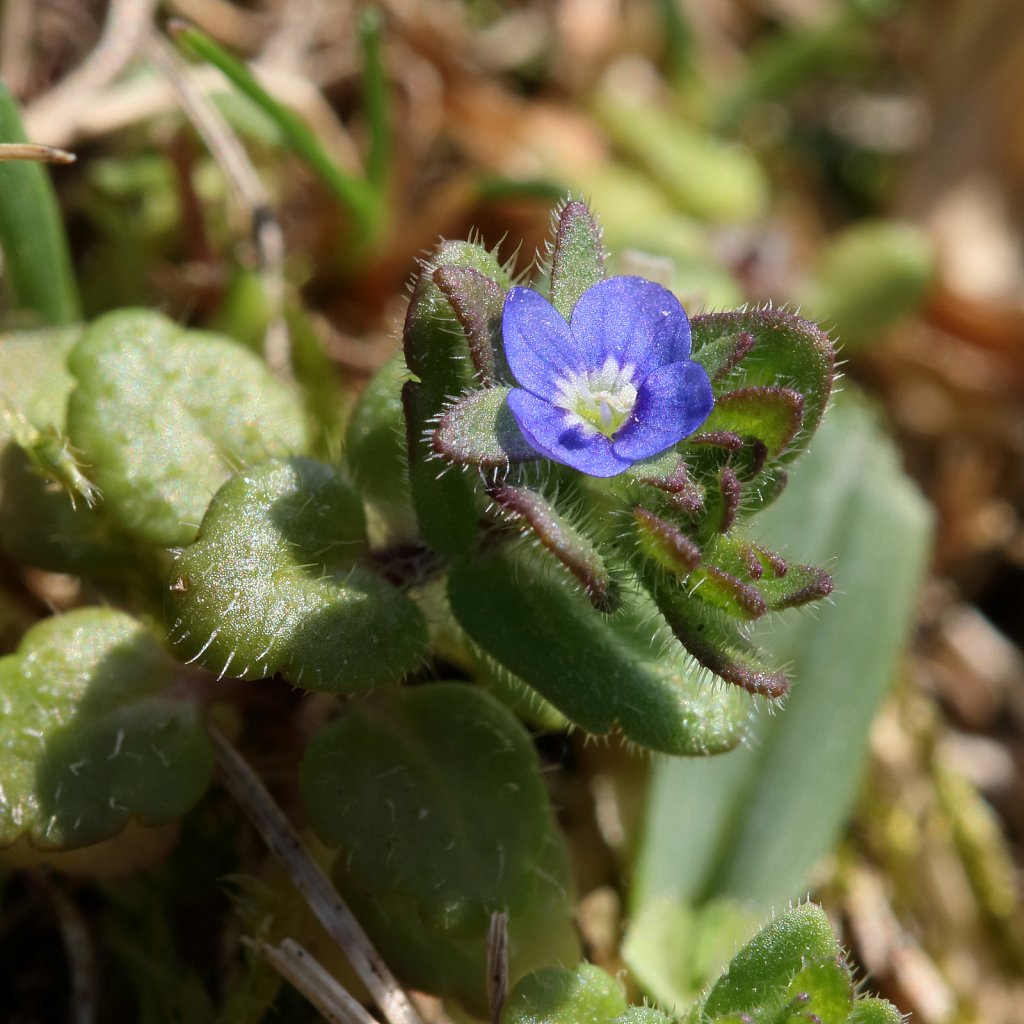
point(716, 642)
point(478, 301)
point(445, 504)
point(788, 351)
point(480, 430)
point(577, 258)
point(773, 415)
point(667, 473)
point(572, 548)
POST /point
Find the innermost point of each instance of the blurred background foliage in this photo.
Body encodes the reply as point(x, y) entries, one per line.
point(862, 160)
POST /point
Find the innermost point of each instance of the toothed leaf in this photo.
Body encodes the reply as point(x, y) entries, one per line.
point(434, 798)
point(760, 974)
point(577, 261)
point(667, 472)
point(479, 429)
point(91, 738)
point(599, 672)
point(271, 585)
point(788, 352)
point(871, 1010)
point(716, 643)
point(164, 416)
point(771, 414)
point(561, 995)
point(435, 353)
point(572, 548)
point(478, 301)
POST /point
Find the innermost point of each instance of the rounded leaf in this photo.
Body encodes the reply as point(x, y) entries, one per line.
point(91, 739)
point(163, 416)
point(559, 995)
point(270, 585)
point(435, 800)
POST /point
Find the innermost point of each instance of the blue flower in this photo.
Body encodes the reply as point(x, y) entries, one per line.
point(610, 387)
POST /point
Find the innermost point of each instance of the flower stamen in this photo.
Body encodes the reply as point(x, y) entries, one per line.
point(599, 401)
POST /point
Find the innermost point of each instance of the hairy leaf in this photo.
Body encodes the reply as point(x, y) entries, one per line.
point(91, 737)
point(271, 585)
point(577, 260)
point(164, 416)
point(601, 673)
point(479, 429)
point(435, 800)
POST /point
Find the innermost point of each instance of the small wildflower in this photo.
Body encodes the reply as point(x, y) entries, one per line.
point(610, 387)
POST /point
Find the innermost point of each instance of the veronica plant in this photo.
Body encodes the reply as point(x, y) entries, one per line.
point(551, 499)
point(634, 444)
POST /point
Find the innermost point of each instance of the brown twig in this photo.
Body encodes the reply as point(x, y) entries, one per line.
point(33, 151)
point(311, 881)
point(298, 966)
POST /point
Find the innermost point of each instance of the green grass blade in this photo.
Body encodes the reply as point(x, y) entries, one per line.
point(376, 99)
point(37, 263)
point(751, 825)
point(355, 194)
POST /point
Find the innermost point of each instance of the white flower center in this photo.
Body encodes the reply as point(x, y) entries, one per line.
point(599, 401)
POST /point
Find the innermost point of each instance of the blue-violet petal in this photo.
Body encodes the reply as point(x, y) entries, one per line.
point(636, 321)
point(670, 405)
point(539, 347)
point(547, 429)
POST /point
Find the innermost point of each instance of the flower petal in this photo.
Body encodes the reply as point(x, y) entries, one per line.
point(670, 405)
point(546, 428)
point(539, 347)
point(633, 319)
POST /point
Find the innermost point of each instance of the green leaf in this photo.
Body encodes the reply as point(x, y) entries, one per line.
point(375, 449)
point(577, 261)
point(164, 416)
point(39, 525)
point(572, 548)
point(600, 672)
point(769, 812)
point(787, 352)
point(871, 1010)
point(270, 585)
point(716, 642)
point(435, 800)
point(821, 991)
point(478, 302)
point(37, 262)
point(34, 379)
point(674, 951)
point(435, 349)
point(91, 738)
point(643, 1015)
point(761, 973)
point(480, 430)
point(709, 177)
point(772, 415)
point(561, 995)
